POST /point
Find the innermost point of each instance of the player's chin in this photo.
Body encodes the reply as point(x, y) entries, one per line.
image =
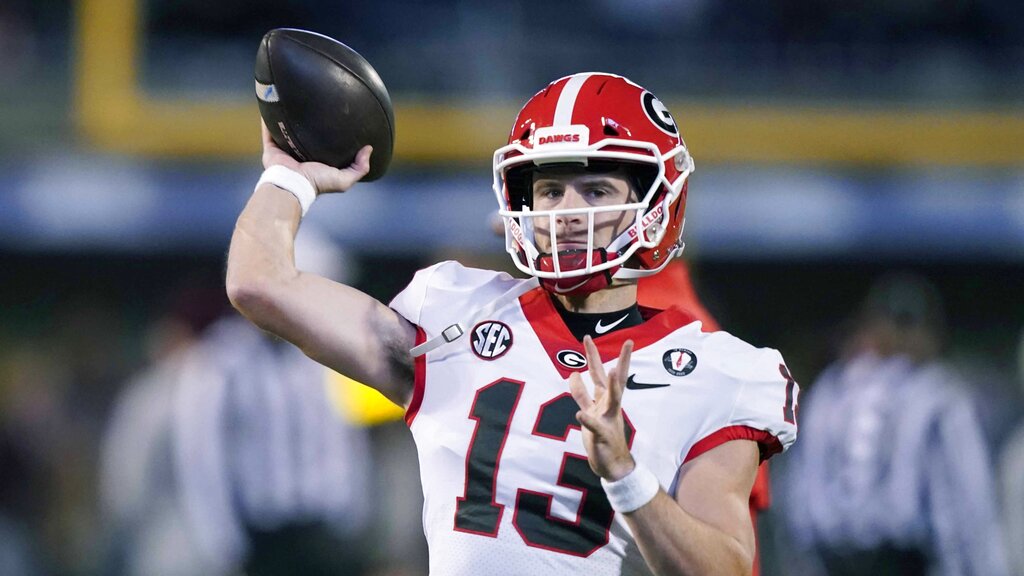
point(564, 247)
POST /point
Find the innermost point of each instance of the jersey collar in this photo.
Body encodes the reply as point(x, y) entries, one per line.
point(556, 338)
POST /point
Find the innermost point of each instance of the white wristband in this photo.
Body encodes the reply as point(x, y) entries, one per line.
point(290, 180)
point(632, 490)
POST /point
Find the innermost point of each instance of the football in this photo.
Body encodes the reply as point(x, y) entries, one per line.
point(322, 101)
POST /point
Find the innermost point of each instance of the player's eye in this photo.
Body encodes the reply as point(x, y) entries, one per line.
point(599, 192)
point(549, 193)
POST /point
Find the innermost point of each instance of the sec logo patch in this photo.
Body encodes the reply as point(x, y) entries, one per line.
point(679, 361)
point(491, 339)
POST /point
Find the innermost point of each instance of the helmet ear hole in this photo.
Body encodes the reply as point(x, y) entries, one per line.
point(519, 183)
point(610, 130)
point(643, 177)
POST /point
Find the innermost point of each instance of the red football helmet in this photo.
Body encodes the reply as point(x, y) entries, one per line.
point(600, 122)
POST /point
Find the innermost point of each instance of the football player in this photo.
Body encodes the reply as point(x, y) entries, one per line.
point(561, 428)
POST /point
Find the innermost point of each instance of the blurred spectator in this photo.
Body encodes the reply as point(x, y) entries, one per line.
point(227, 456)
point(1011, 471)
point(893, 476)
point(54, 382)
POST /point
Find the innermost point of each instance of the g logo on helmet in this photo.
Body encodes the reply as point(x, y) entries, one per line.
point(659, 114)
point(491, 339)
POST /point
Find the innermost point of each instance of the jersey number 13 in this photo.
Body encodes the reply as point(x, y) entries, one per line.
point(476, 511)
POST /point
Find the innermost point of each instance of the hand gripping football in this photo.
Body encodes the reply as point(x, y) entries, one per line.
point(322, 101)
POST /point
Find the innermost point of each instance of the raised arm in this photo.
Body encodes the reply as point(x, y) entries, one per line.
point(334, 324)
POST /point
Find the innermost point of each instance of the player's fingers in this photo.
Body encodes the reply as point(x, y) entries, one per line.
point(265, 133)
point(579, 391)
point(272, 153)
point(594, 365)
point(268, 144)
point(586, 420)
point(347, 177)
point(328, 179)
point(617, 382)
point(622, 367)
point(361, 165)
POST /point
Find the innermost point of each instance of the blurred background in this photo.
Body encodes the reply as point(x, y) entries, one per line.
point(835, 143)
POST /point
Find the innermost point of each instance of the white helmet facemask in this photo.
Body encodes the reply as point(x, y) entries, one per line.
point(561, 145)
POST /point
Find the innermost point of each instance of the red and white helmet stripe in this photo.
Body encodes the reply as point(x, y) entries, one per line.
point(589, 117)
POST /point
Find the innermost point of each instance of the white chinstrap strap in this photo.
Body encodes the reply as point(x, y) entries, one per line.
point(633, 490)
point(287, 179)
point(455, 331)
point(636, 273)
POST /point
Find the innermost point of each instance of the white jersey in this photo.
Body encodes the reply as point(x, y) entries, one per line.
point(506, 485)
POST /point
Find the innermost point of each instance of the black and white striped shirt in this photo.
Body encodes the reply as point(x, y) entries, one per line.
point(241, 436)
point(892, 455)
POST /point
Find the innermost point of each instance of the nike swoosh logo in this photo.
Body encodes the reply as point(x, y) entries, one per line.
point(634, 385)
point(571, 288)
point(601, 329)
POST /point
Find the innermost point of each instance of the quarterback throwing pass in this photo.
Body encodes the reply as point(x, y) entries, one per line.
point(561, 428)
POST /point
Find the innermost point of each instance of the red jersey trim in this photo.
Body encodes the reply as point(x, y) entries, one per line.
point(419, 379)
point(555, 336)
point(767, 443)
point(673, 287)
point(761, 493)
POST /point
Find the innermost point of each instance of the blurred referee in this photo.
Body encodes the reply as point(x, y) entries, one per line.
point(226, 456)
point(893, 477)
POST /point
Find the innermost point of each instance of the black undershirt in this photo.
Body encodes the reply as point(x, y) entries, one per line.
point(583, 323)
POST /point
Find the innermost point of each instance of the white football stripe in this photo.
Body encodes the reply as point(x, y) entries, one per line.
point(567, 99)
point(266, 92)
